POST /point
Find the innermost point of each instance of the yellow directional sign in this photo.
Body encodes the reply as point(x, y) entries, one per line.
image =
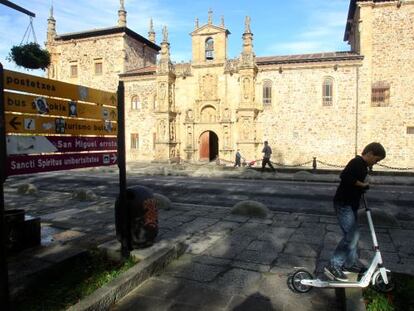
point(16, 102)
point(36, 85)
point(27, 124)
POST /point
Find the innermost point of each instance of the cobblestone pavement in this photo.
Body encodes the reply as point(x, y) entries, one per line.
point(232, 263)
point(236, 262)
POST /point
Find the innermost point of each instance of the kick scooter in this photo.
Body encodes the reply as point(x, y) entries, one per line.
point(302, 281)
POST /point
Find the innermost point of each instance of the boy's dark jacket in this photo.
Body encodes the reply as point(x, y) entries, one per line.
point(347, 192)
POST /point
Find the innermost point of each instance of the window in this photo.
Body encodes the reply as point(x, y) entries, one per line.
point(134, 141)
point(410, 130)
point(327, 92)
point(98, 67)
point(380, 94)
point(209, 49)
point(267, 92)
point(74, 70)
point(135, 103)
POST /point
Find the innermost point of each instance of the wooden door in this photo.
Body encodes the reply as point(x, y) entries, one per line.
point(205, 146)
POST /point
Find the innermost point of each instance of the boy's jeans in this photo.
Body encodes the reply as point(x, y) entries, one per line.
point(345, 253)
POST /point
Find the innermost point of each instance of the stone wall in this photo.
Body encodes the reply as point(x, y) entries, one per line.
point(140, 121)
point(297, 125)
point(387, 43)
point(138, 55)
point(84, 52)
point(118, 53)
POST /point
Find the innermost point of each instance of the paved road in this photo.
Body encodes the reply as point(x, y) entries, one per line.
point(278, 195)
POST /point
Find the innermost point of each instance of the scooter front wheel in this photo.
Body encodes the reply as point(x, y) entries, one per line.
point(297, 277)
point(380, 285)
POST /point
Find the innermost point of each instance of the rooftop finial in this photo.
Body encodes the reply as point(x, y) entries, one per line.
point(122, 15)
point(151, 32)
point(51, 25)
point(165, 34)
point(196, 23)
point(247, 25)
point(210, 16)
point(222, 21)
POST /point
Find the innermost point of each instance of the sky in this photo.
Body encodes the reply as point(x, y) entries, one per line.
point(280, 27)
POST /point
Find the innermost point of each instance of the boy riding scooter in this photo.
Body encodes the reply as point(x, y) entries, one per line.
point(346, 204)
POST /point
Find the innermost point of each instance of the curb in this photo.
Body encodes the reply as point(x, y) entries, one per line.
point(354, 300)
point(47, 267)
point(115, 290)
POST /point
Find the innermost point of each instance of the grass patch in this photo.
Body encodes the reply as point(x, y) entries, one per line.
point(400, 299)
point(78, 280)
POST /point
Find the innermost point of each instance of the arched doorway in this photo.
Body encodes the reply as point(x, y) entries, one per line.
point(208, 146)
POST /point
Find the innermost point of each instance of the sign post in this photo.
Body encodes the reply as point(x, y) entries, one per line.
point(4, 278)
point(124, 211)
point(49, 125)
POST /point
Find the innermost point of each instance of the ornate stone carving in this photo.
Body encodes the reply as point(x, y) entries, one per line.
point(189, 115)
point(172, 130)
point(246, 88)
point(208, 114)
point(245, 128)
point(171, 96)
point(162, 129)
point(226, 137)
point(162, 91)
point(208, 87)
point(189, 137)
point(226, 114)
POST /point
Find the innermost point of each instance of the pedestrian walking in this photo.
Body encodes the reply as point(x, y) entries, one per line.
point(267, 153)
point(237, 160)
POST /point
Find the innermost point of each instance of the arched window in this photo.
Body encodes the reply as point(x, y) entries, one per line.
point(327, 92)
point(135, 103)
point(267, 92)
point(209, 49)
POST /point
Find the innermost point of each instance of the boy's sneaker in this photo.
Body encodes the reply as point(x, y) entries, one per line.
point(355, 268)
point(335, 273)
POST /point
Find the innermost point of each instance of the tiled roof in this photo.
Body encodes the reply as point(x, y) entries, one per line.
point(140, 71)
point(107, 31)
point(306, 58)
point(265, 60)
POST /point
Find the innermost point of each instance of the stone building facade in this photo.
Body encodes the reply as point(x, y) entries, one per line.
point(324, 105)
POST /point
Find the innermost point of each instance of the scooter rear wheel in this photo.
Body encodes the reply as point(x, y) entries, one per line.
point(297, 277)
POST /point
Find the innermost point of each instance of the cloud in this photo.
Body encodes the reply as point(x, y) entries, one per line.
point(299, 47)
point(321, 31)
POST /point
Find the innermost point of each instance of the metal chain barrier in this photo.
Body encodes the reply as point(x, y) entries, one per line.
point(291, 165)
point(331, 165)
point(313, 162)
point(396, 168)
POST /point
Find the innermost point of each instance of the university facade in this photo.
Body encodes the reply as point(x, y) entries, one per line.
point(324, 105)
